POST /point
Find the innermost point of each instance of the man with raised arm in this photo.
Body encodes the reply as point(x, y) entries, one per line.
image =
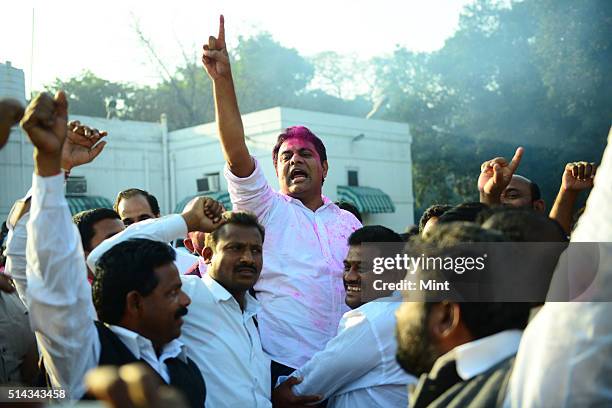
point(498, 185)
point(300, 288)
point(137, 293)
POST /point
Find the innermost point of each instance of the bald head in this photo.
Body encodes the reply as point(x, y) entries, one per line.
point(523, 193)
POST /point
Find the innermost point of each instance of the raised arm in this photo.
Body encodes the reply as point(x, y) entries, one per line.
point(201, 214)
point(58, 295)
point(231, 132)
point(576, 178)
point(81, 146)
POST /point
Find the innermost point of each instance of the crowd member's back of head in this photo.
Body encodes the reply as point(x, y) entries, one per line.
point(134, 205)
point(350, 207)
point(522, 225)
point(373, 234)
point(137, 286)
point(467, 212)
point(431, 215)
point(447, 240)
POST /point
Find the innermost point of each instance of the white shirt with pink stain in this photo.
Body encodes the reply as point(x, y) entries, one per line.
point(300, 288)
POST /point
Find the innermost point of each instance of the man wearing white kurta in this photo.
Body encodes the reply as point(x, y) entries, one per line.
point(300, 288)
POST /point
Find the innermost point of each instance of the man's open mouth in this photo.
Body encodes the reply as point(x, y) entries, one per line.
point(297, 175)
point(352, 288)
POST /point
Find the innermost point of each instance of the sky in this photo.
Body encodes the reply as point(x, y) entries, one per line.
point(71, 36)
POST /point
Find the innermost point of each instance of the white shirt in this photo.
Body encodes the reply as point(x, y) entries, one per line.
point(16, 255)
point(476, 357)
point(564, 358)
point(300, 287)
point(224, 343)
point(59, 296)
point(357, 368)
point(219, 338)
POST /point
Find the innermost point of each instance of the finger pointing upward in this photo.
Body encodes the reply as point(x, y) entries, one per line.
point(516, 160)
point(221, 35)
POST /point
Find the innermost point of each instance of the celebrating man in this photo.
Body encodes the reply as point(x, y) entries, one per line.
point(300, 288)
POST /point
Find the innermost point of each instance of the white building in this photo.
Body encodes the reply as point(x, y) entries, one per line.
point(369, 161)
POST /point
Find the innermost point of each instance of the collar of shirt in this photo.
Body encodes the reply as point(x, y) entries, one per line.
point(222, 295)
point(142, 347)
point(326, 202)
point(478, 356)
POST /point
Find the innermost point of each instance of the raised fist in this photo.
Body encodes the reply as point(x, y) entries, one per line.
point(203, 214)
point(578, 176)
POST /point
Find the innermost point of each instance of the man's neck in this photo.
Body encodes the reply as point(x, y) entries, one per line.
point(240, 298)
point(312, 202)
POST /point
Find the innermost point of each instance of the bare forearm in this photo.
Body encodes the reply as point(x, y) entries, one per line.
point(231, 131)
point(563, 209)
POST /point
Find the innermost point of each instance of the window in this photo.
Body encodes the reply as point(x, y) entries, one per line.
point(353, 178)
point(210, 182)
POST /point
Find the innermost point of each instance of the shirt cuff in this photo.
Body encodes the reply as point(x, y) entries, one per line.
point(49, 190)
point(175, 226)
point(253, 178)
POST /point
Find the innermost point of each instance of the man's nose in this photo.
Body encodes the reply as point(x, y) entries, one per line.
point(352, 274)
point(185, 300)
point(296, 158)
point(247, 256)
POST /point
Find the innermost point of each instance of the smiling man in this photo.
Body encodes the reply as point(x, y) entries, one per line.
point(375, 379)
point(300, 287)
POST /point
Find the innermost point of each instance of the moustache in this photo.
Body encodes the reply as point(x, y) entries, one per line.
point(180, 313)
point(246, 266)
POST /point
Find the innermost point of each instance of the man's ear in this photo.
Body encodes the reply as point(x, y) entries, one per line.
point(444, 319)
point(207, 254)
point(325, 168)
point(133, 304)
point(539, 205)
point(188, 244)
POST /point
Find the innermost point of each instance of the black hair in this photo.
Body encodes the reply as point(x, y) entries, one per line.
point(86, 220)
point(373, 233)
point(242, 218)
point(126, 267)
point(481, 318)
point(350, 207)
point(523, 224)
point(132, 192)
point(463, 212)
point(435, 210)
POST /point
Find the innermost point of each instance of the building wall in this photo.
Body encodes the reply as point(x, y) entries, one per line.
point(132, 158)
point(382, 156)
point(12, 82)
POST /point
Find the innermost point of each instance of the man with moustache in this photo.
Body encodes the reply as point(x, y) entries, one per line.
point(337, 374)
point(462, 351)
point(136, 292)
point(220, 332)
point(300, 288)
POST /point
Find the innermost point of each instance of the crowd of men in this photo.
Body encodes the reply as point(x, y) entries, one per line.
point(269, 307)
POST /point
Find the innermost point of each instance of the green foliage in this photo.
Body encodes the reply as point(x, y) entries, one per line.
point(531, 73)
point(534, 73)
